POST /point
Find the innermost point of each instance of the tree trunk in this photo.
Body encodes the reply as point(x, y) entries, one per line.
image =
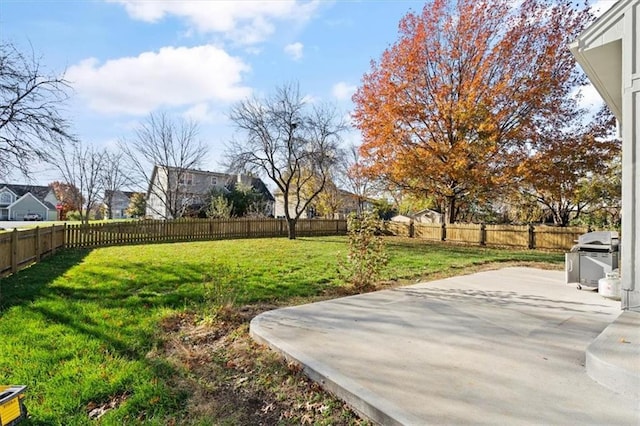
point(451, 209)
point(291, 227)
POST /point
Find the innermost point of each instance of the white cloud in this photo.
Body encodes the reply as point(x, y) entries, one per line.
point(244, 22)
point(342, 91)
point(294, 50)
point(171, 77)
point(202, 113)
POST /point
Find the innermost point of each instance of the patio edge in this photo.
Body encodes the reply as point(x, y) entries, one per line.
point(613, 358)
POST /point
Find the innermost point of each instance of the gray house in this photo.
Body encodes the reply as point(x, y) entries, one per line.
point(118, 202)
point(17, 201)
point(186, 190)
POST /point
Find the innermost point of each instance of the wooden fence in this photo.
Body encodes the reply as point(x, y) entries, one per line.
point(20, 248)
point(526, 237)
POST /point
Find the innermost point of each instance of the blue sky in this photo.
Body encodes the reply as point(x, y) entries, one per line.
point(195, 58)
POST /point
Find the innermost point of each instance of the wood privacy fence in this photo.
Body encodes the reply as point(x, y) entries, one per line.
point(525, 237)
point(20, 248)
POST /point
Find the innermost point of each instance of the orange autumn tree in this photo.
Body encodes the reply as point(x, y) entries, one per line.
point(450, 108)
point(69, 198)
point(564, 169)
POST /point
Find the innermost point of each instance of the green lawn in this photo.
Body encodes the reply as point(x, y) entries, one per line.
point(78, 328)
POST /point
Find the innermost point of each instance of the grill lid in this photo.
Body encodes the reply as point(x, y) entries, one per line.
point(597, 240)
point(602, 238)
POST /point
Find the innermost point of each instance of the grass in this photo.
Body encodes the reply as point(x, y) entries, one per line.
point(136, 331)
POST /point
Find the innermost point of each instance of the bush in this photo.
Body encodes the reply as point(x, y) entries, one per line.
point(73, 215)
point(367, 257)
point(222, 288)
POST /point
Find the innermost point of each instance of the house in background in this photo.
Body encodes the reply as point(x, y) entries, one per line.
point(344, 203)
point(423, 216)
point(118, 202)
point(189, 189)
point(17, 201)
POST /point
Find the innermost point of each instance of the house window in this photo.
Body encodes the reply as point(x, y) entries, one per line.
point(214, 180)
point(5, 198)
point(186, 179)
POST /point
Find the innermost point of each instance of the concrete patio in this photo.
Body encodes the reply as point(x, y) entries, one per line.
point(497, 347)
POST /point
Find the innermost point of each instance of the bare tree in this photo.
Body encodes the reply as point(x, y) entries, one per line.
point(295, 144)
point(83, 167)
point(114, 178)
point(31, 127)
point(351, 177)
point(160, 154)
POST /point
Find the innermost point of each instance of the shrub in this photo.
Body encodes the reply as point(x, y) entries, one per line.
point(219, 208)
point(73, 215)
point(366, 257)
point(222, 288)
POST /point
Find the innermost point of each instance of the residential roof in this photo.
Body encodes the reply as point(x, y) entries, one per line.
point(256, 184)
point(128, 194)
point(40, 192)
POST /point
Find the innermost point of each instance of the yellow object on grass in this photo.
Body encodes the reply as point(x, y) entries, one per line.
point(12, 410)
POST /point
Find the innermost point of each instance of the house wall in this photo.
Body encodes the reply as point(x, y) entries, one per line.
point(6, 199)
point(630, 243)
point(279, 207)
point(27, 204)
point(155, 207)
point(51, 198)
point(192, 188)
point(203, 182)
point(119, 205)
point(348, 203)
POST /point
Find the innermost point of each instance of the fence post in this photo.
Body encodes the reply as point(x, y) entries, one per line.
point(14, 251)
point(443, 232)
point(483, 234)
point(412, 229)
point(65, 240)
point(53, 239)
point(38, 244)
point(532, 237)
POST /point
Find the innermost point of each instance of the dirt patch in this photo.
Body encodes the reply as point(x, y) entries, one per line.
point(232, 379)
point(97, 410)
